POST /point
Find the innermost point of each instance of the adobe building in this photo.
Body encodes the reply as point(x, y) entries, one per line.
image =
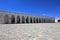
point(7, 17)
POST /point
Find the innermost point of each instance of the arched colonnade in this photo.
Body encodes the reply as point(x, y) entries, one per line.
point(25, 20)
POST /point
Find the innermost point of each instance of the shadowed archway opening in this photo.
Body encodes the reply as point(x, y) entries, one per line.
point(27, 20)
point(6, 19)
point(12, 19)
point(23, 19)
point(59, 21)
point(18, 19)
point(30, 19)
point(36, 20)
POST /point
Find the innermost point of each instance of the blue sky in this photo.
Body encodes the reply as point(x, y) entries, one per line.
point(36, 7)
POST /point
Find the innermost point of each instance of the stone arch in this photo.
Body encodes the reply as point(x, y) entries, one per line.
point(30, 19)
point(18, 19)
point(23, 19)
point(27, 20)
point(12, 19)
point(6, 19)
point(34, 20)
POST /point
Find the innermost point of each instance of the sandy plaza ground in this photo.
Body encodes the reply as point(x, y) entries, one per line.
point(37, 31)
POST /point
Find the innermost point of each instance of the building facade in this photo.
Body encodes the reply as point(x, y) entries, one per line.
point(17, 18)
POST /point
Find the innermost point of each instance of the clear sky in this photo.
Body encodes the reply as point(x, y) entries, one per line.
point(36, 7)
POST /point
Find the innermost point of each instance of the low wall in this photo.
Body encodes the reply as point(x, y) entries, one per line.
point(38, 31)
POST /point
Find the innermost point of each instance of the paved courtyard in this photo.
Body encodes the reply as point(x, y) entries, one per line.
point(37, 31)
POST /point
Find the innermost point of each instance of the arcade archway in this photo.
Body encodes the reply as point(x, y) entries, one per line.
point(12, 19)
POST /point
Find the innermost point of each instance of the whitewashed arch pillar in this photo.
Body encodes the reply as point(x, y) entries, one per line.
point(15, 19)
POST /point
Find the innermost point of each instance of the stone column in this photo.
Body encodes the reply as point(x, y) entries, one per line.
point(38, 20)
point(20, 19)
point(29, 19)
point(32, 20)
point(41, 20)
point(15, 19)
point(9, 19)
